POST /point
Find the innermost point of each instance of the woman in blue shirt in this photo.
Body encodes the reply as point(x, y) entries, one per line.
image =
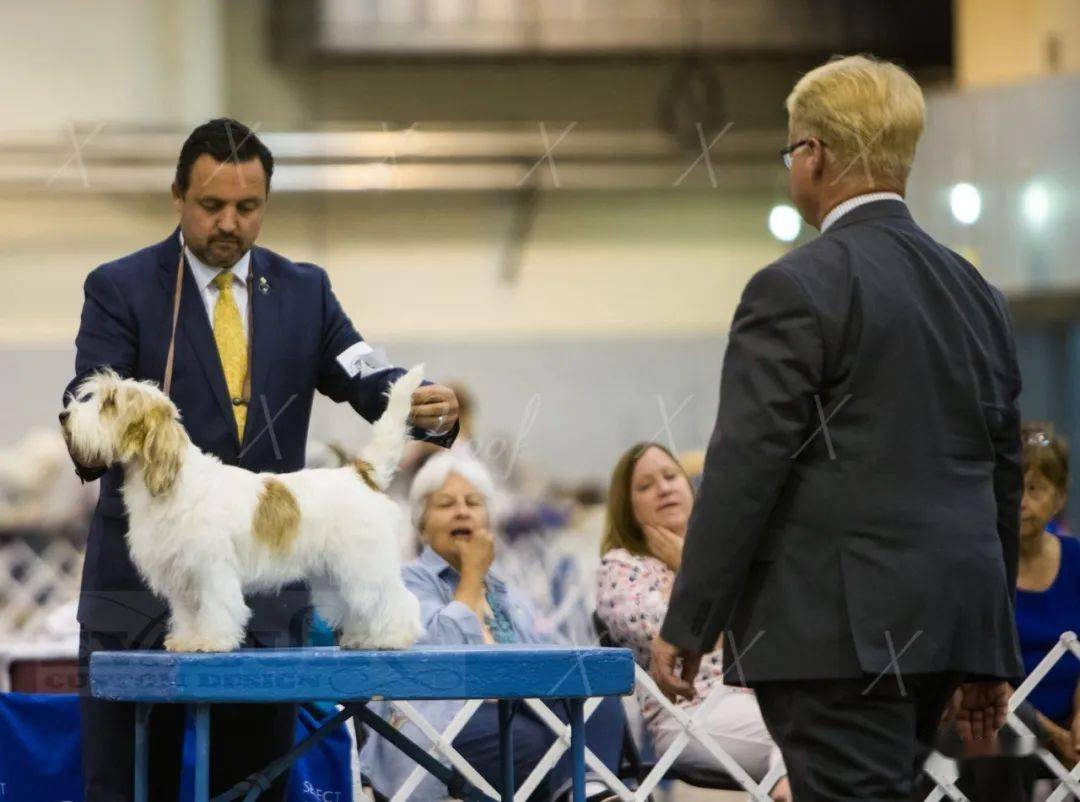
point(1048, 588)
point(1047, 604)
point(463, 600)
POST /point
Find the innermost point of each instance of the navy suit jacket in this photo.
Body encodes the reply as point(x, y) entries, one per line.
point(299, 328)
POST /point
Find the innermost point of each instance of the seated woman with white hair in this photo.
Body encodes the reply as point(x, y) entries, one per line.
point(464, 601)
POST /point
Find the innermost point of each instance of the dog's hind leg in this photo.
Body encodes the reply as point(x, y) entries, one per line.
point(378, 614)
point(396, 624)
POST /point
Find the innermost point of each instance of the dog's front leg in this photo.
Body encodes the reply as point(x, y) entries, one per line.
point(208, 616)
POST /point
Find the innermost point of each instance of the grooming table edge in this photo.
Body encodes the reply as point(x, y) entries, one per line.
point(271, 676)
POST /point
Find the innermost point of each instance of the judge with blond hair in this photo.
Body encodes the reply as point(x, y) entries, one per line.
point(854, 540)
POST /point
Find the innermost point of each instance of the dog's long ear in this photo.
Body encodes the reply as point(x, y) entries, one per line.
point(157, 439)
point(163, 450)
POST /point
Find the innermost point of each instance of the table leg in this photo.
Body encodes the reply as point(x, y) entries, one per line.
point(142, 751)
point(202, 753)
point(506, 748)
point(577, 747)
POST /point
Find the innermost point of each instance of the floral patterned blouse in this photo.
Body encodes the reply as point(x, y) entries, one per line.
point(632, 599)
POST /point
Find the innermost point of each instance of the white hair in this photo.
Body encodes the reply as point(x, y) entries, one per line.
point(434, 474)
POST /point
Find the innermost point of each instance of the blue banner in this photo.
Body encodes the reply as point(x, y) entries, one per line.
point(40, 754)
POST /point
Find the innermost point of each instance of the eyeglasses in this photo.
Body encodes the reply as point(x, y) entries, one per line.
point(786, 154)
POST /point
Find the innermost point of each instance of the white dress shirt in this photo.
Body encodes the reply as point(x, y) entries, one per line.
point(840, 209)
point(204, 280)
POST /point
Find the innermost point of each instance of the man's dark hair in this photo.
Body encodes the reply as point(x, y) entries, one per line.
point(224, 139)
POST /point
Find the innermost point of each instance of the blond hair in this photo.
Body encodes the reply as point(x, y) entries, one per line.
point(869, 113)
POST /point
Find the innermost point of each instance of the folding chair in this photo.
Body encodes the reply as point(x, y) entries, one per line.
point(714, 779)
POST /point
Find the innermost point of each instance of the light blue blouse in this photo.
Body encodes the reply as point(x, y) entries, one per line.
point(446, 622)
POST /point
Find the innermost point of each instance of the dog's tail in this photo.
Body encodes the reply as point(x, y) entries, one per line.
point(379, 459)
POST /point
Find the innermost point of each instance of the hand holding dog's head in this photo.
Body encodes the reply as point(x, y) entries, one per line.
point(110, 419)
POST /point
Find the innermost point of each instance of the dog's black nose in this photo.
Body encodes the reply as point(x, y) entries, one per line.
point(64, 416)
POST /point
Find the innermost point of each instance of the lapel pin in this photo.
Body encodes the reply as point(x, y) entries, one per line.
point(264, 285)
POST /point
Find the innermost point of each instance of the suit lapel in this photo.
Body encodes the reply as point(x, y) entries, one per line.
point(266, 294)
point(195, 326)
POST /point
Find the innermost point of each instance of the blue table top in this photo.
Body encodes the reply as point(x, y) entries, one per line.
point(311, 674)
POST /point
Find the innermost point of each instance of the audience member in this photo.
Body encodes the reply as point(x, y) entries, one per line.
point(649, 505)
point(464, 600)
point(1047, 604)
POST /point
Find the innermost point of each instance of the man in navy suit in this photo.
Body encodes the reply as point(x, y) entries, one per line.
point(293, 338)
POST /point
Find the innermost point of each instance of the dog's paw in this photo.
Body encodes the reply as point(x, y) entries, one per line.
point(355, 642)
point(386, 642)
point(178, 643)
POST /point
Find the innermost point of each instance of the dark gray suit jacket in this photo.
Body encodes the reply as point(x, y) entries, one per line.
point(887, 538)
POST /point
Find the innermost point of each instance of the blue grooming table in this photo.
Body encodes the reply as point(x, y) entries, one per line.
point(353, 678)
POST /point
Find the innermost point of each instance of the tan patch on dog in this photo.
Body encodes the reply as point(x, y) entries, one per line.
point(367, 473)
point(277, 517)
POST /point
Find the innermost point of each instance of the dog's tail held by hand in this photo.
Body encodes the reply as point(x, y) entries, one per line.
point(391, 431)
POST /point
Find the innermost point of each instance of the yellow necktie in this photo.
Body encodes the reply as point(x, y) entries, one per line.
point(231, 344)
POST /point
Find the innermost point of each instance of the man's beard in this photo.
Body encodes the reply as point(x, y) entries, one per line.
point(212, 257)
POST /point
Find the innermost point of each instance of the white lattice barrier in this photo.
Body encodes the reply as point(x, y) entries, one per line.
point(442, 743)
point(693, 728)
point(1068, 781)
point(32, 585)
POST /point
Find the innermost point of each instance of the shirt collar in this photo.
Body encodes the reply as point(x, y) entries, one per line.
point(844, 207)
point(441, 568)
point(205, 275)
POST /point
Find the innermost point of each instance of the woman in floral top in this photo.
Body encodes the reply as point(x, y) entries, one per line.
point(648, 510)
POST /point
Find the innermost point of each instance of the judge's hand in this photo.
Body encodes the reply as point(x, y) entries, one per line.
point(664, 544)
point(674, 680)
point(434, 408)
point(981, 708)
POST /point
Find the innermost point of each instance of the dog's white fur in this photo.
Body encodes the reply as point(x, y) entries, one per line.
point(190, 530)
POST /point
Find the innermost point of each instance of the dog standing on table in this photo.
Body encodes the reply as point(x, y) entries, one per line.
point(202, 533)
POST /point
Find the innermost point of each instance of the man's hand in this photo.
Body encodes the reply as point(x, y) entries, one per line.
point(434, 408)
point(981, 709)
point(664, 544)
point(662, 662)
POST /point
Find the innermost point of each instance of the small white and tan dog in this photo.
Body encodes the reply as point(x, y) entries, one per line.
point(202, 533)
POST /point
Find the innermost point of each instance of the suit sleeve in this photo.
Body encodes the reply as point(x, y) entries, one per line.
point(107, 338)
point(772, 369)
point(1008, 473)
point(368, 394)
